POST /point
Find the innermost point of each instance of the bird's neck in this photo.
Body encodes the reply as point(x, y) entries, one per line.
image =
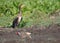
point(19, 13)
point(19, 10)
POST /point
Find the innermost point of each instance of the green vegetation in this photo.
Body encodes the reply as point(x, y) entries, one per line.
point(35, 12)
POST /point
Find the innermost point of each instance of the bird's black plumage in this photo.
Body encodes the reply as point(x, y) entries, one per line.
point(15, 22)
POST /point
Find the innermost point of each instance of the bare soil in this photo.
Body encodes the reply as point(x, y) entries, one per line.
point(39, 34)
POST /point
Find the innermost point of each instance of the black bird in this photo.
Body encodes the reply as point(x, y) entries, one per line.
point(18, 19)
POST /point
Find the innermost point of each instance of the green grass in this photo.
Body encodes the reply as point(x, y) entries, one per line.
point(35, 12)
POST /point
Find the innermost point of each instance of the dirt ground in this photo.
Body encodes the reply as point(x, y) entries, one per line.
point(39, 34)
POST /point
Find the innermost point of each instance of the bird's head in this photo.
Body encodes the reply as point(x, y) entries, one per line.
point(21, 6)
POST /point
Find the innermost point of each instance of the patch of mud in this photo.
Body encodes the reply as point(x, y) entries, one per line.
point(39, 34)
